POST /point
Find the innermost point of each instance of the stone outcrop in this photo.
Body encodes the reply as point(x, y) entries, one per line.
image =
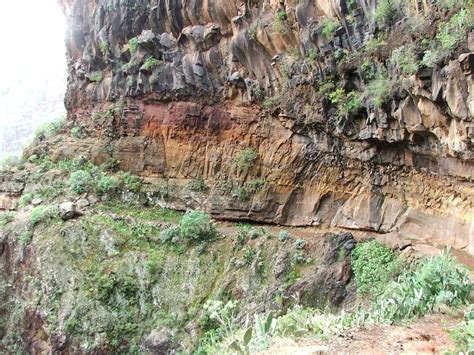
point(173, 91)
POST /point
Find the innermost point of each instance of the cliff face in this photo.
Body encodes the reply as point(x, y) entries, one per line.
point(255, 102)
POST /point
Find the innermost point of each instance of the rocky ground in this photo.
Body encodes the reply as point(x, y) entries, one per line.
point(428, 335)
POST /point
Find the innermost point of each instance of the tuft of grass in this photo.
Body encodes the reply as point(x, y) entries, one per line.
point(42, 213)
point(49, 129)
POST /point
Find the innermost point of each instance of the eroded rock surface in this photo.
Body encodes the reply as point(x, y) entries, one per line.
point(173, 91)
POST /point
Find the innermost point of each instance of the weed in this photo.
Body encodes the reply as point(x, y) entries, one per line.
point(42, 213)
point(96, 76)
point(329, 27)
point(246, 158)
point(104, 47)
point(49, 129)
point(150, 64)
point(26, 199)
point(133, 46)
point(197, 226)
point(374, 265)
point(80, 181)
point(404, 59)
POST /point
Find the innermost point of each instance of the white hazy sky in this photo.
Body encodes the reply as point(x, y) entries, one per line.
point(31, 38)
point(32, 62)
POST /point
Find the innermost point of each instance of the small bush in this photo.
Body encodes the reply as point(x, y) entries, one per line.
point(279, 24)
point(270, 102)
point(80, 181)
point(379, 90)
point(26, 199)
point(131, 182)
point(150, 63)
point(463, 334)
point(133, 46)
point(283, 235)
point(433, 282)
point(96, 76)
point(77, 132)
point(198, 185)
point(49, 129)
point(252, 30)
point(329, 27)
point(42, 213)
point(387, 12)
point(10, 161)
point(107, 183)
point(246, 158)
point(104, 47)
point(197, 225)
point(374, 266)
point(170, 235)
point(313, 54)
point(405, 60)
point(6, 217)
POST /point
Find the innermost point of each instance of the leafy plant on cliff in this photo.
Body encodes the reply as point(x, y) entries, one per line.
point(280, 24)
point(329, 27)
point(404, 59)
point(463, 334)
point(104, 47)
point(42, 213)
point(374, 265)
point(388, 11)
point(450, 34)
point(133, 46)
point(49, 129)
point(246, 158)
point(423, 288)
point(379, 90)
point(80, 181)
point(150, 63)
point(96, 76)
point(197, 226)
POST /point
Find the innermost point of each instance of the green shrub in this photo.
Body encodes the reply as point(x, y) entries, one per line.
point(387, 12)
point(96, 76)
point(133, 46)
point(197, 225)
point(77, 132)
point(283, 235)
point(374, 266)
point(346, 104)
point(42, 213)
point(10, 161)
point(379, 90)
point(329, 27)
point(270, 102)
point(448, 37)
point(49, 129)
point(313, 54)
point(107, 183)
point(252, 30)
point(463, 334)
point(279, 24)
point(80, 181)
point(198, 185)
point(150, 63)
point(246, 158)
point(405, 60)
point(104, 47)
point(25, 237)
point(433, 282)
point(131, 182)
point(26, 199)
point(170, 235)
point(6, 217)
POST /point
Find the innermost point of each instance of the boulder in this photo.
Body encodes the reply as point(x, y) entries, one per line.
point(159, 341)
point(67, 210)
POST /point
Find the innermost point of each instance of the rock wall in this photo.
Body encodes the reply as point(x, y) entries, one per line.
point(176, 91)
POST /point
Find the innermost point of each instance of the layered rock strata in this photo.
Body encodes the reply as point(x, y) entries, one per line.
point(173, 91)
